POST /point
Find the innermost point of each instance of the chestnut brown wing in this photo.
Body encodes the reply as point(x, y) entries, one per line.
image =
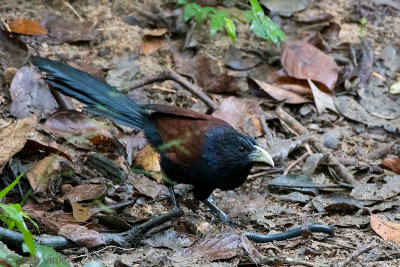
point(182, 131)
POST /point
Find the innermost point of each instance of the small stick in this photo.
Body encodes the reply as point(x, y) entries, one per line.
point(299, 129)
point(357, 253)
point(173, 76)
point(73, 10)
point(275, 170)
point(294, 163)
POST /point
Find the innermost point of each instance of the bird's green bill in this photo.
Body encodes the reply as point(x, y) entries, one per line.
point(260, 155)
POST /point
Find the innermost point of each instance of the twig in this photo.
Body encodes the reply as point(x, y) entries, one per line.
point(293, 125)
point(268, 135)
point(124, 239)
point(356, 253)
point(299, 129)
point(172, 75)
point(294, 163)
point(73, 10)
point(274, 170)
point(279, 260)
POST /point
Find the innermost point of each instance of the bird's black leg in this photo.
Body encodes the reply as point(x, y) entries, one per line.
point(217, 211)
point(173, 198)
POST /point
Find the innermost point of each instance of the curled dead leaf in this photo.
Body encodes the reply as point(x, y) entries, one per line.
point(302, 60)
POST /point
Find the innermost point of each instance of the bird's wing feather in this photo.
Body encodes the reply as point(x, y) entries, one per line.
point(183, 132)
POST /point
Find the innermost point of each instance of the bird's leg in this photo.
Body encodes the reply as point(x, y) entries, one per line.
point(173, 198)
point(217, 211)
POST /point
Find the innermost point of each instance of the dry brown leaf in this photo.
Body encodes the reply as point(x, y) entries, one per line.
point(82, 235)
point(26, 26)
point(242, 114)
point(149, 160)
point(389, 231)
point(281, 94)
point(322, 100)
point(391, 164)
point(304, 61)
point(85, 192)
point(151, 45)
point(13, 138)
point(42, 172)
point(82, 213)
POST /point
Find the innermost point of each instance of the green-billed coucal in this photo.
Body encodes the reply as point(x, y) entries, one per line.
point(195, 149)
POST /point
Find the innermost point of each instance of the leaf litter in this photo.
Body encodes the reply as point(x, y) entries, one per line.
point(343, 68)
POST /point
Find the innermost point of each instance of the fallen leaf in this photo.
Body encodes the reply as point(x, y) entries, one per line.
point(32, 147)
point(68, 30)
point(13, 138)
point(26, 26)
point(40, 175)
point(208, 73)
point(391, 164)
point(281, 94)
point(85, 192)
point(50, 222)
point(146, 186)
point(78, 129)
point(149, 160)
point(285, 7)
point(322, 100)
point(304, 61)
point(169, 239)
point(82, 213)
point(243, 115)
point(31, 95)
point(218, 247)
point(82, 235)
point(389, 231)
point(13, 52)
point(239, 60)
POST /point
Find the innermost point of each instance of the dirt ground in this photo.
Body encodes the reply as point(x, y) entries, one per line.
point(256, 206)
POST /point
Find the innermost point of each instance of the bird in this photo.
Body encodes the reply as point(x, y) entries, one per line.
point(195, 148)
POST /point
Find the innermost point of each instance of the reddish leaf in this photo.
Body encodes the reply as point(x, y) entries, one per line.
point(391, 164)
point(304, 61)
point(26, 26)
point(85, 192)
point(208, 73)
point(33, 147)
point(82, 235)
point(243, 115)
point(281, 94)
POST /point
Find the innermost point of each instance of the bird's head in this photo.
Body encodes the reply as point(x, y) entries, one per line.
point(235, 149)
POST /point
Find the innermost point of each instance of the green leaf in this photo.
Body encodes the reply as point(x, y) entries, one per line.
point(191, 10)
point(217, 21)
point(230, 29)
point(265, 28)
point(181, 2)
point(249, 16)
point(255, 7)
point(13, 211)
point(47, 257)
point(10, 186)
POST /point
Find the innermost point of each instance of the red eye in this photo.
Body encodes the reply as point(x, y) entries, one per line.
point(241, 149)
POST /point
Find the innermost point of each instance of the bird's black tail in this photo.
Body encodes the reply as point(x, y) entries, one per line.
point(98, 96)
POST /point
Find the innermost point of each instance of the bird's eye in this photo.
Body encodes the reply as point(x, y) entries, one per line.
point(241, 149)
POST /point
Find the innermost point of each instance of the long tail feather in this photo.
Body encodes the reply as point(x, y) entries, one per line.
point(98, 96)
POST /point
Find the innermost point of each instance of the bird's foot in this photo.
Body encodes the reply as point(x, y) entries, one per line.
point(219, 214)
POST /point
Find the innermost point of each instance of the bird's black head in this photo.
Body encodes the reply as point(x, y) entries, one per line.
point(228, 149)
